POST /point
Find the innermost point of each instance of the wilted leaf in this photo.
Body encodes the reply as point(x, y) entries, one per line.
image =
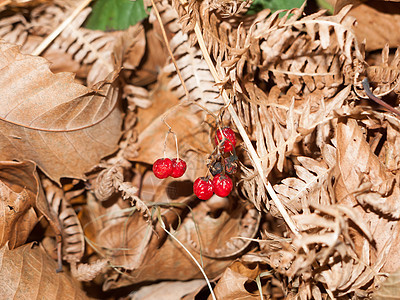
point(19, 191)
point(48, 118)
point(357, 163)
point(126, 240)
point(232, 283)
point(389, 289)
point(28, 272)
point(375, 22)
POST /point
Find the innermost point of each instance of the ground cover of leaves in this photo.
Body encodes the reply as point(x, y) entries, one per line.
point(314, 211)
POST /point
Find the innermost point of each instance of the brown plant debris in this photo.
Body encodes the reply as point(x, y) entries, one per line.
point(310, 98)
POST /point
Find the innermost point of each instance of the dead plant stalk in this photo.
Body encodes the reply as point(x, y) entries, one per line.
point(253, 154)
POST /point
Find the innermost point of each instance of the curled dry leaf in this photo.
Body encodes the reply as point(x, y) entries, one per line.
point(233, 280)
point(357, 164)
point(29, 273)
point(125, 240)
point(48, 118)
point(389, 288)
point(375, 22)
point(225, 236)
point(19, 191)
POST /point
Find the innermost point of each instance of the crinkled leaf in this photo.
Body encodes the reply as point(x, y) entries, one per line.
point(19, 190)
point(390, 288)
point(27, 272)
point(64, 127)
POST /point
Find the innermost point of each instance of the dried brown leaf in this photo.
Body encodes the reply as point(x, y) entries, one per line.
point(226, 236)
point(186, 125)
point(167, 290)
point(375, 22)
point(233, 280)
point(48, 118)
point(357, 164)
point(27, 272)
point(311, 186)
point(389, 289)
point(169, 262)
point(125, 239)
point(19, 191)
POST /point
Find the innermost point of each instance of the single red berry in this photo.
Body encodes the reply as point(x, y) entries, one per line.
point(203, 188)
point(162, 168)
point(227, 137)
point(178, 167)
point(222, 185)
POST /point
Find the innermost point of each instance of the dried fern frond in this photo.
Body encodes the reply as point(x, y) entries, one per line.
point(111, 181)
point(312, 184)
point(326, 232)
point(195, 73)
point(72, 232)
point(384, 77)
point(29, 29)
point(87, 272)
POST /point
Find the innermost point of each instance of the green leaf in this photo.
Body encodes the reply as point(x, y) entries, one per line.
point(326, 5)
point(273, 5)
point(115, 14)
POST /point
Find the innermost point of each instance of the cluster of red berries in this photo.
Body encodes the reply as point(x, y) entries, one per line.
point(164, 167)
point(221, 184)
point(204, 187)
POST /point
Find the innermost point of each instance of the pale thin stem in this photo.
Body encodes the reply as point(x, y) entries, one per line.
point(176, 145)
point(50, 38)
point(169, 48)
point(253, 154)
point(190, 254)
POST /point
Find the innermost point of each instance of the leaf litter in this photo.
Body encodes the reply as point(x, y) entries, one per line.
point(314, 211)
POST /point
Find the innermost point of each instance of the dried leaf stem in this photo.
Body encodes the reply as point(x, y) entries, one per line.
point(242, 131)
point(367, 89)
point(46, 42)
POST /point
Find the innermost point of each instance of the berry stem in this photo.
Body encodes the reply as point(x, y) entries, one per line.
point(176, 145)
point(166, 137)
point(165, 145)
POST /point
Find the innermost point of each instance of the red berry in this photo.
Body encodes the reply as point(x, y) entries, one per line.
point(178, 167)
point(203, 188)
point(162, 168)
point(228, 139)
point(222, 185)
